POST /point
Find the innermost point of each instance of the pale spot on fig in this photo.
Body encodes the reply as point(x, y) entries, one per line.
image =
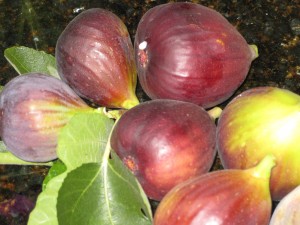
point(219, 41)
point(143, 58)
point(69, 60)
point(130, 163)
point(142, 54)
point(143, 45)
point(224, 34)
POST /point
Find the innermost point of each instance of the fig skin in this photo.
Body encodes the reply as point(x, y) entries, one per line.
point(95, 57)
point(287, 212)
point(223, 197)
point(189, 52)
point(164, 142)
point(34, 107)
point(260, 121)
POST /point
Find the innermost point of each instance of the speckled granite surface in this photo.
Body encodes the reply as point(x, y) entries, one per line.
point(273, 25)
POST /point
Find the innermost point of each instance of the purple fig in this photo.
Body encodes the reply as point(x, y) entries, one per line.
point(223, 197)
point(261, 121)
point(287, 212)
point(34, 107)
point(95, 57)
point(186, 51)
point(164, 142)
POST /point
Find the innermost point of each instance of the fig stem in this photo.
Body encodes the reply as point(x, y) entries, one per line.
point(254, 51)
point(264, 168)
point(112, 114)
point(130, 102)
point(215, 112)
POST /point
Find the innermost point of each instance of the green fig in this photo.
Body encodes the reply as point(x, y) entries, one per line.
point(261, 121)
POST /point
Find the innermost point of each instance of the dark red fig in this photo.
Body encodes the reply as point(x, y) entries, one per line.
point(186, 51)
point(224, 197)
point(95, 57)
point(34, 108)
point(164, 142)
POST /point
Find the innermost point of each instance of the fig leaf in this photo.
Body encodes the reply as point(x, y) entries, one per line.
point(81, 146)
point(8, 158)
point(26, 60)
point(102, 193)
point(44, 212)
point(84, 139)
point(83, 132)
point(3, 147)
point(57, 168)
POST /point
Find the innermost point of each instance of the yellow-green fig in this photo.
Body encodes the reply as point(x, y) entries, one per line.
point(261, 121)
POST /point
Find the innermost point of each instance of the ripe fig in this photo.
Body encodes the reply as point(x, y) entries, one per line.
point(95, 57)
point(186, 51)
point(287, 212)
point(34, 107)
point(260, 121)
point(164, 142)
point(223, 197)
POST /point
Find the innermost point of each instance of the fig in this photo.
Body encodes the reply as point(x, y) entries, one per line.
point(287, 212)
point(164, 142)
point(189, 52)
point(222, 197)
point(34, 107)
point(94, 55)
point(260, 121)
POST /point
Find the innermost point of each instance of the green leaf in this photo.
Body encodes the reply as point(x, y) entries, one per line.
point(121, 196)
point(3, 147)
point(83, 140)
point(8, 158)
point(58, 168)
point(26, 60)
point(82, 137)
point(45, 212)
point(102, 194)
point(1, 88)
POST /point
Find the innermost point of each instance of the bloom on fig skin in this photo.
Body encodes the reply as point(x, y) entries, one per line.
point(34, 107)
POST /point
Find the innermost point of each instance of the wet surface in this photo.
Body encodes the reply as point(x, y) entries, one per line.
point(274, 26)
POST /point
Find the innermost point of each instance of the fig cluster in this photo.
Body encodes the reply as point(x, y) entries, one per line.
point(188, 59)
